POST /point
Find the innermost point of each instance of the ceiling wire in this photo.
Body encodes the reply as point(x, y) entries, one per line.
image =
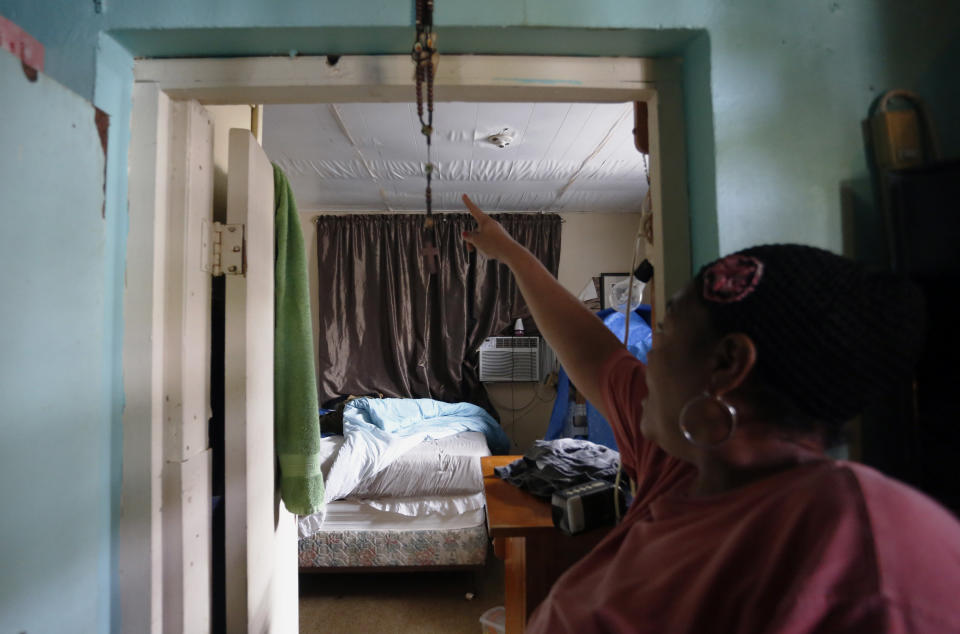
point(343, 128)
point(583, 165)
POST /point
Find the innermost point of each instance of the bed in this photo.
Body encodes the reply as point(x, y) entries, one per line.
point(404, 488)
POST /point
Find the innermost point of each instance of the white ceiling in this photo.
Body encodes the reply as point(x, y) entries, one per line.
point(370, 156)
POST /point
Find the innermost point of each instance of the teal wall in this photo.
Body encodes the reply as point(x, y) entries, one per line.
point(55, 452)
point(775, 92)
point(112, 94)
point(777, 87)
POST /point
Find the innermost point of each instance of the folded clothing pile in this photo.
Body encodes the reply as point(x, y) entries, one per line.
point(554, 465)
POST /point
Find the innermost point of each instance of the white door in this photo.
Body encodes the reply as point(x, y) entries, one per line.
point(185, 474)
point(261, 536)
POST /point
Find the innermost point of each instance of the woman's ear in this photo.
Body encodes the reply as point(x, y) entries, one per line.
point(734, 357)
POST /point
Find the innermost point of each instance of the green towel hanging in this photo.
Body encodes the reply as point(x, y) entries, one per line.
point(296, 417)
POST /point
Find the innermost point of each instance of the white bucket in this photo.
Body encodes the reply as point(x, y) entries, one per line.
point(494, 620)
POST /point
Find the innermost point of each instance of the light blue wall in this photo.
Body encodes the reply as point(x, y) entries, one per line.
point(112, 94)
point(775, 89)
point(55, 454)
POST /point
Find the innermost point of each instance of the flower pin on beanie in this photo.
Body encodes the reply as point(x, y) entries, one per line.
point(732, 278)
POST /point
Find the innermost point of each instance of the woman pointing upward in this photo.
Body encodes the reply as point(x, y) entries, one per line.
point(741, 522)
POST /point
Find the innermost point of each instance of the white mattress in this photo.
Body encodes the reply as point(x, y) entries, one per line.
point(436, 485)
point(425, 475)
point(348, 515)
point(466, 443)
point(448, 466)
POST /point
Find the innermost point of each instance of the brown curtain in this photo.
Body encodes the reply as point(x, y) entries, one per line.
point(388, 327)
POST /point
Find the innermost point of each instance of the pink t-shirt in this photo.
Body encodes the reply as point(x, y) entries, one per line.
point(828, 546)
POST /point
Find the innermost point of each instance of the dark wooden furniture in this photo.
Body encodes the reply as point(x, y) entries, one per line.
point(911, 432)
point(534, 553)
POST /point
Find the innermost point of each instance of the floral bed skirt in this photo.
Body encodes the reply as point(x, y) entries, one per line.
point(351, 549)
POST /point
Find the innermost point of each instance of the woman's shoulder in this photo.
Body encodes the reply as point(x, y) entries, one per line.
point(912, 542)
point(892, 505)
point(900, 516)
point(848, 490)
point(857, 537)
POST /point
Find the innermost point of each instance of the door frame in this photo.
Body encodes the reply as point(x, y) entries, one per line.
point(276, 80)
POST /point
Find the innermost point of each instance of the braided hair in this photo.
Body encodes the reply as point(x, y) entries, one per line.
point(829, 335)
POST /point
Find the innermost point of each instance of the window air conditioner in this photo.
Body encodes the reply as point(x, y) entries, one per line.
point(510, 359)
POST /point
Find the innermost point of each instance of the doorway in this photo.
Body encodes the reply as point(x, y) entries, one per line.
point(349, 80)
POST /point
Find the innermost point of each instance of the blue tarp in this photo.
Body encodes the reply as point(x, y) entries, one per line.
point(598, 429)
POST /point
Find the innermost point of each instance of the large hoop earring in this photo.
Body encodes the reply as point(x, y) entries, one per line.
point(687, 429)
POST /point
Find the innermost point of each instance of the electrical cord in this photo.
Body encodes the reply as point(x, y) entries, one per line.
point(536, 397)
point(517, 413)
point(630, 287)
point(626, 338)
point(513, 411)
point(616, 492)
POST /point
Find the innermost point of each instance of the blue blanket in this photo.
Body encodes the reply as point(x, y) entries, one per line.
point(409, 416)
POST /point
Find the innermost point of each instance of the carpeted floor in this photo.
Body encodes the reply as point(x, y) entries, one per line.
point(413, 602)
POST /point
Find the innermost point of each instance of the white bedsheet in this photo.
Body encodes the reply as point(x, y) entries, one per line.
point(448, 466)
point(439, 479)
point(444, 466)
point(418, 477)
point(350, 515)
point(378, 431)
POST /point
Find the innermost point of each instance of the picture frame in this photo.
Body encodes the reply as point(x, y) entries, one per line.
point(607, 281)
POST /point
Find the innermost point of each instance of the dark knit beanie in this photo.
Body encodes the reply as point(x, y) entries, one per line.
point(829, 335)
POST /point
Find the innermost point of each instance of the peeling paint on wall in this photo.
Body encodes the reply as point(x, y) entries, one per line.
point(102, 121)
point(547, 82)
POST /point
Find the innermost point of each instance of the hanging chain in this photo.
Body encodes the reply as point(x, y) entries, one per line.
point(646, 221)
point(424, 56)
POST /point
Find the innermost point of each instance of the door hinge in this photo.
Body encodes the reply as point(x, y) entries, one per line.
point(223, 249)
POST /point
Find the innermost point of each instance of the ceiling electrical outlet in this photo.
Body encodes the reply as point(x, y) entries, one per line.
point(501, 139)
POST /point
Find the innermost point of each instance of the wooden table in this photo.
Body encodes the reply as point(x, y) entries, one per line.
point(534, 553)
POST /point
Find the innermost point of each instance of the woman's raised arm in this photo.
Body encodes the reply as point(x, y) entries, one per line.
point(581, 341)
